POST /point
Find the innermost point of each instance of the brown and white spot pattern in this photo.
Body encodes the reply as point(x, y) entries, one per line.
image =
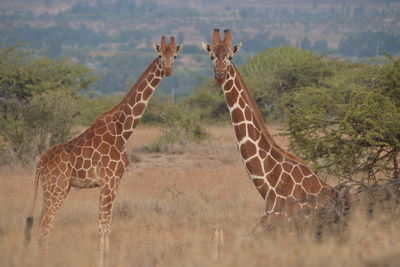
point(97, 157)
point(284, 181)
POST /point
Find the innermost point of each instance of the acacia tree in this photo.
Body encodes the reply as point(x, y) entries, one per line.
point(269, 74)
point(38, 101)
point(278, 70)
point(350, 125)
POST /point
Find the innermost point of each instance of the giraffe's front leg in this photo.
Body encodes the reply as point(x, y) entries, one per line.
point(106, 199)
point(267, 221)
point(108, 190)
point(263, 220)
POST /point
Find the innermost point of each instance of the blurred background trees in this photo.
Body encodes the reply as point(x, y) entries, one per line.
point(279, 70)
point(341, 117)
point(105, 34)
point(318, 68)
point(38, 99)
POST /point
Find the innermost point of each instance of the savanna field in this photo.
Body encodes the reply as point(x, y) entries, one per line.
point(324, 75)
point(168, 207)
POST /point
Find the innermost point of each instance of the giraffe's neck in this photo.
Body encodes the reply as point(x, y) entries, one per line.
point(283, 180)
point(254, 141)
point(129, 111)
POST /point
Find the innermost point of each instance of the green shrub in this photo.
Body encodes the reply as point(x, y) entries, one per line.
point(209, 103)
point(38, 101)
point(268, 75)
point(90, 107)
point(278, 70)
point(31, 127)
point(350, 127)
point(180, 126)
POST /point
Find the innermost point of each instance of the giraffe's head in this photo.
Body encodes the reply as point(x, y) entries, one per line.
point(221, 53)
point(167, 54)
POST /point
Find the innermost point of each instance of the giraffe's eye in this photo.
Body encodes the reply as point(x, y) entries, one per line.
point(174, 57)
point(230, 58)
point(212, 57)
point(159, 56)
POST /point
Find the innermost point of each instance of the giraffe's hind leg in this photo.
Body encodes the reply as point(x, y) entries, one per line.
point(262, 221)
point(55, 189)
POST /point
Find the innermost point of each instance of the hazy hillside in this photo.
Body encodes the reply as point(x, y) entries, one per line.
point(115, 37)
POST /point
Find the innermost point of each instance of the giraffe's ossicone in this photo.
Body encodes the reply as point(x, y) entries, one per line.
point(97, 157)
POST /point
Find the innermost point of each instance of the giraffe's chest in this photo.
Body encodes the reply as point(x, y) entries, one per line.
point(84, 173)
point(84, 167)
point(85, 178)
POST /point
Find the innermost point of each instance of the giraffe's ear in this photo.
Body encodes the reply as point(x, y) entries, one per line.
point(179, 48)
point(206, 47)
point(157, 48)
point(237, 47)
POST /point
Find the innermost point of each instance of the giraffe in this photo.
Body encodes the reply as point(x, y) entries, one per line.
point(97, 157)
point(285, 182)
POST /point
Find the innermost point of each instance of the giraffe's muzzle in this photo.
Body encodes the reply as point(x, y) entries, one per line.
point(220, 78)
point(167, 71)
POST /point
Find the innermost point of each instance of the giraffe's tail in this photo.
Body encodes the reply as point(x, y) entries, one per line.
point(29, 219)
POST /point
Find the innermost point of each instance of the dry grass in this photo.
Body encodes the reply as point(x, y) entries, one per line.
point(167, 208)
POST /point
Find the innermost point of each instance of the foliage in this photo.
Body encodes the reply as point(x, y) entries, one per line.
point(209, 103)
point(181, 125)
point(155, 109)
point(182, 81)
point(88, 29)
point(268, 75)
point(320, 46)
point(120, 71)
point(90, 107)
point(38, 101)
point(263, 41)
point(349, 126)
point(30, 128)
point(275, 71)
point(23, 74)
point(369, 44)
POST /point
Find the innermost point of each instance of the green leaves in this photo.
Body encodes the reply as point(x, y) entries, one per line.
point(180, 125)
point(38, 99)
point(349, 126)
point(275, 71)
point(209, 103)
point(22, 74)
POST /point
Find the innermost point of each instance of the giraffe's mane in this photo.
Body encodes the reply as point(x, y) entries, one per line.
point(257, 114)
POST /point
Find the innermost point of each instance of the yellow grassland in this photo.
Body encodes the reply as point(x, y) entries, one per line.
point(167, 207)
